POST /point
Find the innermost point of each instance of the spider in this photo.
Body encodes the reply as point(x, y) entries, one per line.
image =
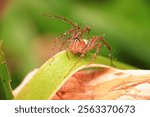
point(77, 45)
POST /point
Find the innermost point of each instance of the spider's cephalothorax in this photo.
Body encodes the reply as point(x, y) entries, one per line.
point(77, 45)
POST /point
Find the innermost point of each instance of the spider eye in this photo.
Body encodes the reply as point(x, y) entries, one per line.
point(76, 39)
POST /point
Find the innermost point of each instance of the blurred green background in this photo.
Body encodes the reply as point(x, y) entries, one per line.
point(26, 35)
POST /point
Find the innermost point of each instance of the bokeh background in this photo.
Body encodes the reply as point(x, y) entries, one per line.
point(27, 36)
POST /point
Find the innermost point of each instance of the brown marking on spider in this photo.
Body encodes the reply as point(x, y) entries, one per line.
point(77, 45)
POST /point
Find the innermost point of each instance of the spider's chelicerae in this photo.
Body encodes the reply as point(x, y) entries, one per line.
point(77, 45)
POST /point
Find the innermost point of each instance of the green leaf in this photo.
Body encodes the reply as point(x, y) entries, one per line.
point(5, 89)
point(52, 75)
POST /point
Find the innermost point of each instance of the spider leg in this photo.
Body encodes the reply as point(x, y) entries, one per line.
point(85, 49)
point(67, 54)
point(63, 43)
point(61, 18)
point(81, 56)
point(66, 33)
point(88, 35)
point(84, 30)
point(97, 46)
point(66, 41)
point(62, 36)
point(72, 30)
point(109, 48)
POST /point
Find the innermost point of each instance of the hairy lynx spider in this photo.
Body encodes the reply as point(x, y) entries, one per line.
point(77, 45)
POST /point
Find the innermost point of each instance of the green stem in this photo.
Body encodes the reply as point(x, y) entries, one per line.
point(5, 88)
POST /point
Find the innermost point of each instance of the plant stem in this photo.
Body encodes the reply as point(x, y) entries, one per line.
point(5, 88)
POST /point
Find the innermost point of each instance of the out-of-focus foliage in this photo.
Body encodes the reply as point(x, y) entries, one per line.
point(125, 24)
